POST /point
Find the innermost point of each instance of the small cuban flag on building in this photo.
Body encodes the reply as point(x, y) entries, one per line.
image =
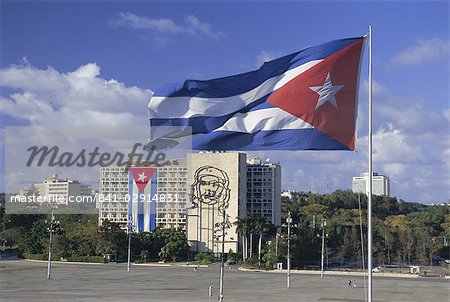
point(303, 101)
point(142, 201)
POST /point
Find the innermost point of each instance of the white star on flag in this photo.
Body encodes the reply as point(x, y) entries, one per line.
point(142, 176)
point(326, 92)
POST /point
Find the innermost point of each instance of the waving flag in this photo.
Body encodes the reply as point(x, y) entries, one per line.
point(303, 101)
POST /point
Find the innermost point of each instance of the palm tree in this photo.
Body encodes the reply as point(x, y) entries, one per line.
point(260, 227)
point(241, 229)
point(250, 229)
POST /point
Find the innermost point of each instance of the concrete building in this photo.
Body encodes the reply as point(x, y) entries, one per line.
point(113, 198)
point(264, 190)
point(170, 198)
point(216, 180)
point(172, 195)
point(288, 194)
point(380, 184)
point(62, 188)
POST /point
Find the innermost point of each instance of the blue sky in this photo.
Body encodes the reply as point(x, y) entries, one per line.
point(98, 61)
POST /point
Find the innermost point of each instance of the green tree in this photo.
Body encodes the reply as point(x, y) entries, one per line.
point(250, 222)
point(241, 230)
point(260, 227)
point(172, 243)
point(112, 240)
point(35, 239)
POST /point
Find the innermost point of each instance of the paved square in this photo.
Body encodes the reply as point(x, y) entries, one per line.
point(26, 281)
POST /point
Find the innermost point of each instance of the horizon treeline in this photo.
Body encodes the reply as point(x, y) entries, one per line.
point(404, 233)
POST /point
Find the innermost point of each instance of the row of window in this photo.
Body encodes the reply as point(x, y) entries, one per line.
point(259, 189)
point(180, 187)
point(250, 168)
point(256, 211)
point(173, 168)
point(58, 184)
point(172, 174)
point(113, 215)
point(259, 201)
point(173, 180)
point(118, 179)
point(162, 216)
point(114, 174)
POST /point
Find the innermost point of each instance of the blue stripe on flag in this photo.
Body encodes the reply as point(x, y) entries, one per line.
point(291, 139)
point(140, 215)
point(237, 84)
point(130, 201)
point(153, 192)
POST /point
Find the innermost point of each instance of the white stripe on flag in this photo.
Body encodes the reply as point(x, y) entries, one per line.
point(264, 119)
point(185, 107)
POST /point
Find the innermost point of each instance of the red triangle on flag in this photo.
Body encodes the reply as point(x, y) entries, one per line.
point(299, 97)
point(141, 176)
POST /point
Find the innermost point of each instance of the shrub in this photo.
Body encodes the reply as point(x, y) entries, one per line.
point(37, 256)
point(92, 259)
point(204, 258)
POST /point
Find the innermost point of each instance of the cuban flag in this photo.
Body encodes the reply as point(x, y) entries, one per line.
point(142, 202)
point(303, 101)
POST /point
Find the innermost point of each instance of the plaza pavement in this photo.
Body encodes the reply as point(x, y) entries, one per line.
point(26, 281)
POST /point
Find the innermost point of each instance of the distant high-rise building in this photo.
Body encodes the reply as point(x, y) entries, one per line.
point(264, 190)
point(288, 194)
point(380, 184)
point(63, 188)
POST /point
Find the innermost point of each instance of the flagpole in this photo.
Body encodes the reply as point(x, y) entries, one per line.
point(369, 193)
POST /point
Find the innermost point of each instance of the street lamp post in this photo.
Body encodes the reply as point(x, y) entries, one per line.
point(130, 230)
point(289, 221)
point(49, 265)
point(323, 225)
point(129, 249)
point(222, 257)
point(276, 245)
point(53, 228)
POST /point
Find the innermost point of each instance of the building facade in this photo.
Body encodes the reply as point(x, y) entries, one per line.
point(264, 190)
point(113, 198)
point(63, 188)
point(380, 184)
point(217, 181)
point(118, 189)
point(172, 190)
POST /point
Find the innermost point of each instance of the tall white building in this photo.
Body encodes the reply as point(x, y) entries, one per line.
point(380, 184)
point(170, 199)
point(63, 188)
point(112, 201)
point(172, 195)
point(216, 180)
point(264, 190)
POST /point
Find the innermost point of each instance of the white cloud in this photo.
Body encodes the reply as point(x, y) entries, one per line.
point(165, 28)
point(80, 97)
point(411, 144)
point(411, 114)
point(74, 110)
point(393, 146)
point(423, 51)
point(157, 24)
